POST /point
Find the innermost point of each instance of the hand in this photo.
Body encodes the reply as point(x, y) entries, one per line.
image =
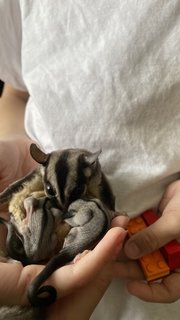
point(15, 162)
point(15, 159)
point(79, 286)
point(154, 237)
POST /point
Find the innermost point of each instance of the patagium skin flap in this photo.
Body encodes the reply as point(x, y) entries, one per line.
point(15, 194)
point(40, 234)
point(72, 174)
point(34, 226)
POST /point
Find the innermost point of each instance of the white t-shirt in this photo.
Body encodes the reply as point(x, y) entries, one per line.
point(103, 74)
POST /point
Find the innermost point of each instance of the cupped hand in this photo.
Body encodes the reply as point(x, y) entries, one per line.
point(79, 285)
point(165, 229)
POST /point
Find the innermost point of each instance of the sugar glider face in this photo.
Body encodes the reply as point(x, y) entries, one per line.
point(67, 174)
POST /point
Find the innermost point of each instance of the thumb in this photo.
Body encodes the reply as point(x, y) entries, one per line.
point(153, 237)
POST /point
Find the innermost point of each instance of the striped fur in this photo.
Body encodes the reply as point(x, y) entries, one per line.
point(71, 174)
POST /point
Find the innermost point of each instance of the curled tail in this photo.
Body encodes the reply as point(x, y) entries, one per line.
point(36, 300)
point(36, 293)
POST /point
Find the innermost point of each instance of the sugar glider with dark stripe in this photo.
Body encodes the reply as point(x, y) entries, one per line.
point(72, 188)
point(72, 174)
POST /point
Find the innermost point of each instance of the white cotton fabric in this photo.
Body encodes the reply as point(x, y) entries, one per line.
point(10, 44)
point(103, 74)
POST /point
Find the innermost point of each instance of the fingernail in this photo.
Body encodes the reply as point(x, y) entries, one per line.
point(132, 250)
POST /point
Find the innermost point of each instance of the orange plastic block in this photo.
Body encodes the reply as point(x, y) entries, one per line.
point(153, 264)
point(136, 225)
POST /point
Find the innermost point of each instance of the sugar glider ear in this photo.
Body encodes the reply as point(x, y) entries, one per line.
point(38, 155)
point(93, 157)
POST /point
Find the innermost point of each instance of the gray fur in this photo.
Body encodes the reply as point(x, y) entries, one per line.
point(90, 220)
point(21, 313)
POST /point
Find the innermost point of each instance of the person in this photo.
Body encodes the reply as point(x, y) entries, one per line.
point(100, 75)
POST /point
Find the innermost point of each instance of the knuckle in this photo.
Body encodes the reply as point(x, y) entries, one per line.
point(173, 188)
point(173, 225)
point(148, 241)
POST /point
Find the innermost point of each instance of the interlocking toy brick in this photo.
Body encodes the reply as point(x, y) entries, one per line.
point(170, 251)
point(136, 225)
point(153, 265)
point(149, 217)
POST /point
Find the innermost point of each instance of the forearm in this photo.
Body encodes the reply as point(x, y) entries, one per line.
point(12, 109)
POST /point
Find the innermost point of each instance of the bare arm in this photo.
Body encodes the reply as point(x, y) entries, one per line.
point(14, 142)
point(12, 108)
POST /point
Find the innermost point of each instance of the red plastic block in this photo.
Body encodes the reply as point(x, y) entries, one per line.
point(171, 253)
point(149, 217)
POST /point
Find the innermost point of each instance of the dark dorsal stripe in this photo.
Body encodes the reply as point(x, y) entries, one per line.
point(61, 170)
point(106, 194)
point(80, 181)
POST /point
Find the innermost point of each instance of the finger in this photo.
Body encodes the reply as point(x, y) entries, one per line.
point(165, 292)
point(80, 256)
point(84, 300)
point(172, 191)
point(164, 230)
point(170, 205)
point(10, 290)
point(153, 237)
point(120, 221)
point(71, 277)
point(77, 275)
point(128, 270)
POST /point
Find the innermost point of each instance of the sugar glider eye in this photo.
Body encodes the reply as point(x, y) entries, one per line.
point(50, 190)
